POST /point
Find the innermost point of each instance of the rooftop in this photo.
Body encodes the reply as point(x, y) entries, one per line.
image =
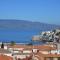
point(4, 57)
point(48, 55)
point(4, 51)
point(30, 47)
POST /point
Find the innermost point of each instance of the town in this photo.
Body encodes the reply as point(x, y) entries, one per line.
point(48, 51)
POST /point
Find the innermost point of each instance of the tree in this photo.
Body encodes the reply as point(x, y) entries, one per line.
point(12, 43)
point(54, 30)
point(2, 45)
point(30, 43)
point(58, 33)
point(44, 34)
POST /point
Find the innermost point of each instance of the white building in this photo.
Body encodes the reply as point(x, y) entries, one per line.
point(5, 52)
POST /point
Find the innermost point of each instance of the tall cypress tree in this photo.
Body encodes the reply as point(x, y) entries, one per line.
point(2, 45)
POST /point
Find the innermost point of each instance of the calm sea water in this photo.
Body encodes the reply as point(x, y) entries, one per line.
point(17, 35)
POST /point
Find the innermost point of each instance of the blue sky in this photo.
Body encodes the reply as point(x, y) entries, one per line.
point(47, 11)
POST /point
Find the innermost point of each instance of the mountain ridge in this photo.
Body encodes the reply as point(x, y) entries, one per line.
point(24, 24)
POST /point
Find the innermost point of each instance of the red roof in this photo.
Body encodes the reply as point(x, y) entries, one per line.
point(40, 47)
point(4, 57)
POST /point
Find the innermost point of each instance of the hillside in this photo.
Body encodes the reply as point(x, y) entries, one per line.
point(26, 25)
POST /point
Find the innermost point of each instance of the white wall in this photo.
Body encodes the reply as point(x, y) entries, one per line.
point(8, 54)
point(35, 50)
point(20, 56)
point(27, 51)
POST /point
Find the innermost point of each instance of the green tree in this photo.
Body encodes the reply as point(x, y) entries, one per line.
point(13, 43)
point(44, 34)
point(58, 33)
point(54, 30)
point(2, 45)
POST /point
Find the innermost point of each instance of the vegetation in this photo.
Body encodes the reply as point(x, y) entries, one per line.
point(30, 43)
point(58, 34)
point(13, 43)
point(2, 45)
point(54, 30)
point(44, 34)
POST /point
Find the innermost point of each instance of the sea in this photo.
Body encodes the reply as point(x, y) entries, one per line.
point(19, 35)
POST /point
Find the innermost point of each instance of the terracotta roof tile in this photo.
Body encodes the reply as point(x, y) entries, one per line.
point(40, 47)
point(4, 57)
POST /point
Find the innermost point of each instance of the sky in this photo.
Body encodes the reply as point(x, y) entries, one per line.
point(46, 11)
